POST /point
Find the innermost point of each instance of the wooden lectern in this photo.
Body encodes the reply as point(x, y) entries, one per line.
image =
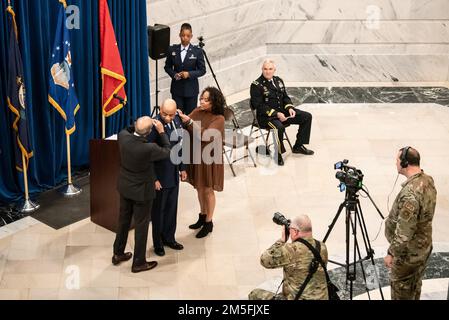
point(104, 170)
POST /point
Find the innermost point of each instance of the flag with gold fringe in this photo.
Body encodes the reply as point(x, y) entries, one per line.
point(62, 95)
point(16, 95)
point(111, 64)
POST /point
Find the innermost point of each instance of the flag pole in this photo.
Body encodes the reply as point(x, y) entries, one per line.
point(103, 118)
point(27, 206)
point(69, 190)
point(69, 161)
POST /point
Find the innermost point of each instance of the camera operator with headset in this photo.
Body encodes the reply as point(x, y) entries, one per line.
point(408, 227)
point(302, 259)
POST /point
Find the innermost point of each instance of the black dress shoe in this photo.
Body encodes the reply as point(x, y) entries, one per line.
point(159, 251)
point(280, 160)
point(116, 259)
point(146, 266)
point(174, 245)
point(302, 150)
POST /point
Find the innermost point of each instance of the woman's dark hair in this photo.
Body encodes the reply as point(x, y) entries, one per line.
point(216, 99)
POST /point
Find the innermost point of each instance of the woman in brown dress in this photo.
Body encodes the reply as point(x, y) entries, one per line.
point(205, 171)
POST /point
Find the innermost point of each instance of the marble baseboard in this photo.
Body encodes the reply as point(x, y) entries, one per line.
point(338, 95)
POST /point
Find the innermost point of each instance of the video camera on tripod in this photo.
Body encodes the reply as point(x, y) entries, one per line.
point(350, 178)
point(351, 181)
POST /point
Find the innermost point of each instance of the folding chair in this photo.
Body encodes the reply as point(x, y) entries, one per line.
point(235, 139)
point(256, 127)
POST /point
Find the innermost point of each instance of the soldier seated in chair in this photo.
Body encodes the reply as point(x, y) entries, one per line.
point(275, 110)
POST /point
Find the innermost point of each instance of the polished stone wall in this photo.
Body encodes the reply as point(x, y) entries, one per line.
point(385, 41)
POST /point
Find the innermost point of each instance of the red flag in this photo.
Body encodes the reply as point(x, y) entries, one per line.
point(111, 65)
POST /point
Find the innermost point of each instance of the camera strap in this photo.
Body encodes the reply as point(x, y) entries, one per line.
point(317, 255)
point(313, 267)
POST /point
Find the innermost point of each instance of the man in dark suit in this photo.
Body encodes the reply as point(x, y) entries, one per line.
point(136, 188)
point(167, 171)
point(275, 110)
point(185, 64)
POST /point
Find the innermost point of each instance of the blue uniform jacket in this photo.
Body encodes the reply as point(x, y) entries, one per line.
point(165, 170)
point(193, 63)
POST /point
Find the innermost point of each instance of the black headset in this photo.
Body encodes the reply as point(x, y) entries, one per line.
point(404, 161)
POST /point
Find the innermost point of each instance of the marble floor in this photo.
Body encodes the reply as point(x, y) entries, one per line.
point(37, 262)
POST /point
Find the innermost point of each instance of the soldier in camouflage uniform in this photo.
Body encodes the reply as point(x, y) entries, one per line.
point(408, 228)
point(295, 259)
point(275, 110)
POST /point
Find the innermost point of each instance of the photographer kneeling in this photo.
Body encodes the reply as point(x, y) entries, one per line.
point(304, 277)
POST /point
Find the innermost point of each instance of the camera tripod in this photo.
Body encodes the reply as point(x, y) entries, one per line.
point(201, 44)
point(354, 219)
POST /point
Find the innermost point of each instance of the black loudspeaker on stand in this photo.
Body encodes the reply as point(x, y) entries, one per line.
point(158, 43)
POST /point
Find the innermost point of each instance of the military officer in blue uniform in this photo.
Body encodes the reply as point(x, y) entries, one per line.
point(167, 173)
point(275, 110)
point(185, 64)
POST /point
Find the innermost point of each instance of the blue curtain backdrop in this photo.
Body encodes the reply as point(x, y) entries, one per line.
point(36, 21)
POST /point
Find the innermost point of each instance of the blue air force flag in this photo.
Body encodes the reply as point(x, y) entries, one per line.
point(62, 94)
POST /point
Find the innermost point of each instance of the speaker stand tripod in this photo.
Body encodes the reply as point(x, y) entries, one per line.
point(156, 108)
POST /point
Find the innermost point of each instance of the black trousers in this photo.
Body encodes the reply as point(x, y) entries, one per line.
point(186, 104)
point(163, 215)
point(302, 118)
point(141, 213)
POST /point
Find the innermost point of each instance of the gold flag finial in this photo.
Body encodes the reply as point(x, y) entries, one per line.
point(13, 15)
point(64, 3)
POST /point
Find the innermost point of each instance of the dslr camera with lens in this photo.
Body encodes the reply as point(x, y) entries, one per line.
point(281, 220)
point(350, 178)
